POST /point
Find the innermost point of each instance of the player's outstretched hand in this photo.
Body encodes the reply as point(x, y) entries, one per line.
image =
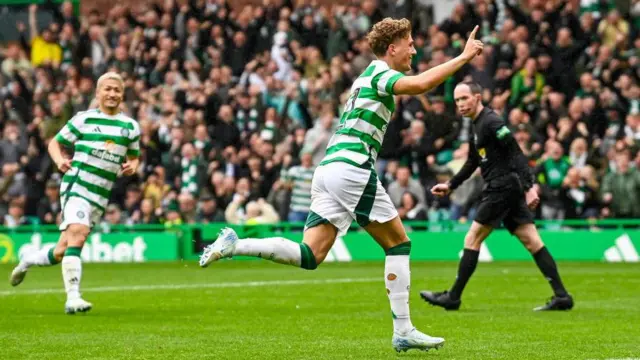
point(440, 190)
point(473, 47)
point(532, 198)
point(64, 165)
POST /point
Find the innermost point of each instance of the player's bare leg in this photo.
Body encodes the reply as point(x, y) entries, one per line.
point(530, 238)
point(393, 239)
point(75, 235)
point(450, 300)
point(320, 240)
point(42, 257)
point(314, 248)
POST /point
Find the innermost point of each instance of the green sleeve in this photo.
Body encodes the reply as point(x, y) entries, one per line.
point(516, 84)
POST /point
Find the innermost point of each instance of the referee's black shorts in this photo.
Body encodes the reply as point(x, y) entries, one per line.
point(503, 201)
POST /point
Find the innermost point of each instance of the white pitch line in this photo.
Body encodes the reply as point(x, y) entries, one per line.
point(193, 286)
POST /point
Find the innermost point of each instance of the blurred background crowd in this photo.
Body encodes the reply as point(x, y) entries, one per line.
point(237, 104)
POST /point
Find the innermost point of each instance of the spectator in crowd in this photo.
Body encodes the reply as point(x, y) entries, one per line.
point(189, 172)
point(257, 212)
point(132, 200)
point(579, 155)
point(229, 96)
point(410, 209)
point(16, 62)
point(8, 175)
point(580, 200)
point(15, 217)
point(404, 183)
point(146, 215)
point(208, 211)
point(187, 207)
point(298, 180)
point(551, 173)
point(44, 49)
point(113, 215)
point(317, 138)
point(49, 207)
point(621, 189)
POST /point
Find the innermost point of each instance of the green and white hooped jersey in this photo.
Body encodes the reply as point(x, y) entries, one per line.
point(301, 193)
point(366, 116)
point(101, 144)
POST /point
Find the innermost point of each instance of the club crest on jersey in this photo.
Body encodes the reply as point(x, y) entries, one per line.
point(482, 152)
point(124, 132)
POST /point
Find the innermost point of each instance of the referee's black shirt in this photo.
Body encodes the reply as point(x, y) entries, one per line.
point(493, 148)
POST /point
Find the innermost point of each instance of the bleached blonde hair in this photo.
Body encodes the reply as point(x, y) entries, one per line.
point(110, 76)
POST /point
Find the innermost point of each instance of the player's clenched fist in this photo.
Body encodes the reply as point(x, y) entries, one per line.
point(440, 190)
point(532, 198)
point(64, 165)
point(129, 167)
point(473, 47)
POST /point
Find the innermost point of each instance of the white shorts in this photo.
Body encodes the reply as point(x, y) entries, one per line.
point(77, 210)
point(342, 193)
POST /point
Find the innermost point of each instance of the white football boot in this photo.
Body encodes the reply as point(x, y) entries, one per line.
point(17, 275)
point(414, 339)
point(223, 247)
point(77, 305)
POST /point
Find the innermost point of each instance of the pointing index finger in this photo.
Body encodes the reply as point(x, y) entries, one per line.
point(473, 33)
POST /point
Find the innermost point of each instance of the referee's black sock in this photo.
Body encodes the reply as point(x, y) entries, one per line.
point(466, 268)
point(548, 267)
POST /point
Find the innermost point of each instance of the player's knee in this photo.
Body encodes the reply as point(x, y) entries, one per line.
point(473, 241)
point(76, 235)
point(532, 243)
point(310, 258)
point(58, 251)
point(530, 238)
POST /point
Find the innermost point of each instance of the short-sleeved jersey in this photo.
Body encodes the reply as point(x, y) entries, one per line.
point(101, 144)
point(301, 178)
point(365, 118)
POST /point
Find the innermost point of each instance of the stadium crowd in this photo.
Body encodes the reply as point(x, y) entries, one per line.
point(237, 106)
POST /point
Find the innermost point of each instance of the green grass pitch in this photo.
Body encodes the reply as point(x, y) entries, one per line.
point(259, 310)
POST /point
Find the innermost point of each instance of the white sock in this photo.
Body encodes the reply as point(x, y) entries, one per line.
point(397, 278)
point(36, 258)
point(276, 249)
point(72, 274)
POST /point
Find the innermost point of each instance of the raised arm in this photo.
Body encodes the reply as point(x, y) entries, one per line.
point(418, 84)
point(33, 21)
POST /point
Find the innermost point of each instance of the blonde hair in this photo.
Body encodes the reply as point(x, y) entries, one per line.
point(386, 32)
point(110, 76)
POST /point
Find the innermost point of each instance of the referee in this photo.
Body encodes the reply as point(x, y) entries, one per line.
point(507, 198)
